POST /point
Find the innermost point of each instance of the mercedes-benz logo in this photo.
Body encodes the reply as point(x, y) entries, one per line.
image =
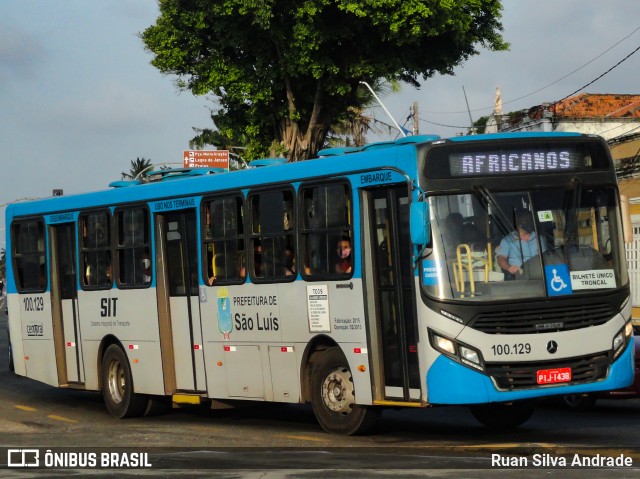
point(552, 347)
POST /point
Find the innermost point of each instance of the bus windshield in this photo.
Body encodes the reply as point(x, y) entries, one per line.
point(490, 246)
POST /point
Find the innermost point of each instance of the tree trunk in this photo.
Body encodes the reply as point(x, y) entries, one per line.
point(301, 145)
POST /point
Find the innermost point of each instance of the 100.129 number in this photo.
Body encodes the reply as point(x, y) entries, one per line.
point(516, 348)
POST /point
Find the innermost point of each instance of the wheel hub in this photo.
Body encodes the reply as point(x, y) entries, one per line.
point(337, 391)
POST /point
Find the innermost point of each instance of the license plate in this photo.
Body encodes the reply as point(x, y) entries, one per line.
point(550, 376)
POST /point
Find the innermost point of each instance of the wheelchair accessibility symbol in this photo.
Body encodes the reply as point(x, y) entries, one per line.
point(558, 279)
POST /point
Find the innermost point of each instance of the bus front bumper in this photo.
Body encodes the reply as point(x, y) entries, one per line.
point(449, 382)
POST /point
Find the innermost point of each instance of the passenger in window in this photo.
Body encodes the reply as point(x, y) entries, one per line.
point(519, 246)
point(258, 261)
point(344, 263)
point(473, 238)
point(146, 263)
point(290, 263)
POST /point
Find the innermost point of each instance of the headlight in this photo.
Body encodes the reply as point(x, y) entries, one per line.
point(469, 354)
point(618, 341)
point(460, 352)
point(621, 339)
point(445, 345)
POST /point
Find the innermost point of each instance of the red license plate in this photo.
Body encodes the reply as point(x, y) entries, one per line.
point(550, 376)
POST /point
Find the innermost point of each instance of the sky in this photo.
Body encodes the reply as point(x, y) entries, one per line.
point(79, 98)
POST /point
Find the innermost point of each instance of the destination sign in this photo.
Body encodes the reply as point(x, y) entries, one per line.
point(523, 161)
point(516, 156)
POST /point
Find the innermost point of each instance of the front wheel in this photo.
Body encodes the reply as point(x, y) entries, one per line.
point(579, 402)
point(333, 396)
point(501, 416)
point(117, 385)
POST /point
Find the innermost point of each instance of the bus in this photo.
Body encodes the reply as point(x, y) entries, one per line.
point(369, 278)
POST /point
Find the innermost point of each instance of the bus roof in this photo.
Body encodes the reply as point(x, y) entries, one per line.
point(204, 180)
point(198, 181)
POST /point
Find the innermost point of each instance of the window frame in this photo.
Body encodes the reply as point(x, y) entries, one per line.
point(205, 240)
point(118, 248)
point(304, 230)
point(41, 226)
point(253, 236)
point(83, 250)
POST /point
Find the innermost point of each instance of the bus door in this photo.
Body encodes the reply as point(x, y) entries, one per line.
point(178, 280)
point(389, 282)
point(64, 303)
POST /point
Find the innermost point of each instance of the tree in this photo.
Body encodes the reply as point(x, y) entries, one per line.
point(479, 126)
point(137, 166)
point(284, 71)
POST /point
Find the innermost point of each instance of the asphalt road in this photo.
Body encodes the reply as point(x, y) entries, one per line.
point(276, 440)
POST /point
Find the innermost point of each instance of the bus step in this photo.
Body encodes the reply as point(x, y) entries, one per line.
point(186, 399)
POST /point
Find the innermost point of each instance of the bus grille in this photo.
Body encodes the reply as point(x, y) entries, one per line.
point(543, 320)
point(511, 376)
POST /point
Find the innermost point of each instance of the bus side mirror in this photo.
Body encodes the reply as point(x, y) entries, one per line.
point(419, 223)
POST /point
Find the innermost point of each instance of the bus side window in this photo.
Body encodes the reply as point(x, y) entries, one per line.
point(223, 238)
point(326, 228)
point(95, 250)
point(272, 235)
point(133, 243)
point(29, 255)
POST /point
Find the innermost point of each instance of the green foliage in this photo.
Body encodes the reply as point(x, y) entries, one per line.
point(138, 166)
point(479, 126)
point(284, 71)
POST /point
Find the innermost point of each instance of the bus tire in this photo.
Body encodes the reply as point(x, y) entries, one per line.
point(333, 396)
point(579, 402)
point(117, 385)
point(501, 416)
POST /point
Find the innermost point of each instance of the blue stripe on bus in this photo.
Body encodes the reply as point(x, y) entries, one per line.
point(448, 382)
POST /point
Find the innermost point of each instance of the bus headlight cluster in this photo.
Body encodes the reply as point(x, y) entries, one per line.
point(621, 339)
point(459, 352)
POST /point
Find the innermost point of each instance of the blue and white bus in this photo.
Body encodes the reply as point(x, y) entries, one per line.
point(389, 275)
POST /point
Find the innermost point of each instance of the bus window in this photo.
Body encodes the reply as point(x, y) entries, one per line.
point(272, 235)
point(223, 237)
point(326, 230)
point(133, 241)
point(29, 256)
point(95, 250)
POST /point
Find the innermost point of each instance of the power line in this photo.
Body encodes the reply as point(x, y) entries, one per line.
point(550, 84)
point(441, 124)
point(598, 78)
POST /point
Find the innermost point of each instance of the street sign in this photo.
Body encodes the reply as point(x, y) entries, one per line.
point(205, 159)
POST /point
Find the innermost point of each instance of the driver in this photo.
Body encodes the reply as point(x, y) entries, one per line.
point(518, 246)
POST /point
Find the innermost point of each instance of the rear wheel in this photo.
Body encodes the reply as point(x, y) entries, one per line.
point(333, 396)
point(501, 416)
point(117, 385)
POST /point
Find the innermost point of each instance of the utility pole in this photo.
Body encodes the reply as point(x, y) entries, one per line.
point(416, 126)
